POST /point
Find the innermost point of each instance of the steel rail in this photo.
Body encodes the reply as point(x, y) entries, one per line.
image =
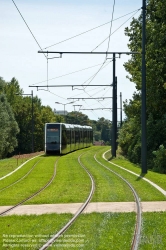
point(33, 195)
point(20, 178)
point(60, 232)
point(137, 232)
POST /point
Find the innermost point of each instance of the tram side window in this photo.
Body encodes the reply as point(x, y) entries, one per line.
point(72, 136)
point(81, 136)
point(64, 137)
point(68, 132)
point(91, 136)
point(77, 138)
point(85, 136)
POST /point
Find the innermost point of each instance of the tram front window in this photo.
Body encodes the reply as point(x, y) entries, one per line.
point(52, 136)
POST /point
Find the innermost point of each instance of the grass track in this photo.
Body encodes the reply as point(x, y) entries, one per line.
point(159, 179)
point(108, 187)
point(30, 184)
point(153, 231)
point(91, 227)
point(18, 174)
point(71, 184)
point(145, 191)
point(9, 165)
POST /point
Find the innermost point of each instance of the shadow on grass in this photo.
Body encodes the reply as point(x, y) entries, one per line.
point(110, 158)
point(140, 177)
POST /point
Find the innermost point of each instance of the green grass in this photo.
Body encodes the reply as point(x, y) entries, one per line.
point(101, 231)
point(33, 228)
point(93, 231)
point(153, 234)
point(108, 187)
point(71, 184)
point(18, 174)
point(10, 164)
point(40, 175)
point(159, 179)
point(145, 191)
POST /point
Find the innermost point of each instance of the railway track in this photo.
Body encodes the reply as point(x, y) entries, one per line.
point(34, 194)
point(136, 236)
point(60, 232)
point(137, 232)
point(2, 189)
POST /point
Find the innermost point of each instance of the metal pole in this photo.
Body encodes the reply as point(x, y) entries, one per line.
point(32, 124)
point(114, 122)
point(116, 112)
point(143, 107)
point(121, 109)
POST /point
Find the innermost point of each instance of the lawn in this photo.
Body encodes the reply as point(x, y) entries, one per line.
point(91, 231)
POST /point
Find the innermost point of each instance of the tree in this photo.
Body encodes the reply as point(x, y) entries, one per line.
point(75, 117)
point(155, 77)
point(8, 128)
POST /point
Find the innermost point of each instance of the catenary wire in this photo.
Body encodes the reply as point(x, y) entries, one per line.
point(107, 50)
point(67, 74)
point(89, 30)
point(28, 27)
point(110, 28)
point(115, 30)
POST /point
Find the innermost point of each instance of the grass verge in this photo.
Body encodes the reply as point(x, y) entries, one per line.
point(159, 179)
point(145, 191)
point(10, 164)
point(91, 231)
point(19, 173)
point(39, 177)
point(153, 235)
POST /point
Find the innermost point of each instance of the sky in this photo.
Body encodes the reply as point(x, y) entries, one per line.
point(53, 21)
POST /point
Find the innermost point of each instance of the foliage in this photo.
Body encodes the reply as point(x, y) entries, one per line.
point(21, 105)
point(8, 128)
point(22, 109)
point(155, 79)
point(77, 118)
point(160, 159)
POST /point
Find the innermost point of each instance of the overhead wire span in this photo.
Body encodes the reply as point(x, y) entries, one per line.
point(107, 50)
point(67, 74)
point(89, 30)
point(52, 93)
point(115, 30)
point(110, 28)
point(94, 75)
point(28, 26)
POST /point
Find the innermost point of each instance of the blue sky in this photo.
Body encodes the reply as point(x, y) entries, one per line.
point(52, 22)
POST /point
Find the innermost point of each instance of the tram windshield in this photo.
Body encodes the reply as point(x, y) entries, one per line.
point(52, 134)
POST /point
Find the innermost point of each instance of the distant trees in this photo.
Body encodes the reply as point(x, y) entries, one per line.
point(20, 108)
point(130, 134)
point(77, 118)
point(16, 121)
point(8, 125)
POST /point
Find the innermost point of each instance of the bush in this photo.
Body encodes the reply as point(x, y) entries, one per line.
point(160, 159)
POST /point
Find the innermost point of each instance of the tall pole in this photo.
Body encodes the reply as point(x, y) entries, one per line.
point(32, 124)
point(120, 109)
point(114, 114)
point(143, 107)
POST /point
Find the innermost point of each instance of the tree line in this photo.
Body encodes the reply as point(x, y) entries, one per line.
point(130, 134)
point(16, 121)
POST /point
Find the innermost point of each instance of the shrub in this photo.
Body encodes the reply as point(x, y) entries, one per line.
point(160, 159)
